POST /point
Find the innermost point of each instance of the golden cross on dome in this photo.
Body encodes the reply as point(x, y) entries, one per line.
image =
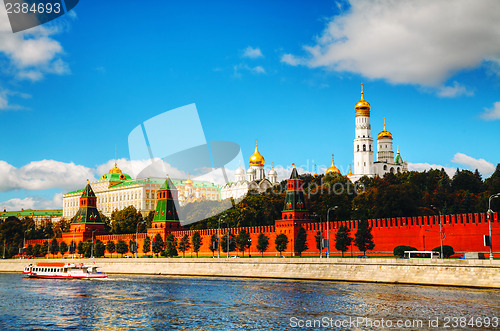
point(384, 123)
point(362, 89)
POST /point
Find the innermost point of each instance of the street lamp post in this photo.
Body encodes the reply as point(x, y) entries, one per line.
point(227, 240)
point(440, 230)
point(137, 237)
point(328, 228)
point(92, 248)
point(489, 222)
point(24, 242)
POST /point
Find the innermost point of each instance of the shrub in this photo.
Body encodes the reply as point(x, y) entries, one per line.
point(400, 250)
point(447, 250)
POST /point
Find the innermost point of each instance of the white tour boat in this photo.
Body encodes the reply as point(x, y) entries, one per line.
point(63, 270)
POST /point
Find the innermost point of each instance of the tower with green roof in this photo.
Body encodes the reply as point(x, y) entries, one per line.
point(295, 212)
point(87, 222)
point(166, 218)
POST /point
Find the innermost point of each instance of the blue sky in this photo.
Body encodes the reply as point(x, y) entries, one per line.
point(287, 73)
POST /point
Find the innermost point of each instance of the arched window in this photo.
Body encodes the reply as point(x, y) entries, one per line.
point(385, 167)
point(358, 148)
point(399, 170)
point(370, 148)
point(392, 170)
point(364, 148)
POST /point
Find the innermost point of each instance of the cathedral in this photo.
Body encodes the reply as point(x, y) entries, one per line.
point(254, 179)
point(363, 147)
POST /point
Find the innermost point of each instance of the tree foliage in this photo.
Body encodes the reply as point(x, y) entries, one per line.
point(146, 245)
point(184, 244)
point(121, 247)
point(262, 243)
point(224, 243)
point(343, 239)
point(281, 242)
point(364, 238)
point(126, 220)
point(158, 244)
point(111, 247)
point(170, 246)
point(301, 241)
point(214, 243)
point(196, 241)
point(54, 247)
point(99, 248)
point(243, 241)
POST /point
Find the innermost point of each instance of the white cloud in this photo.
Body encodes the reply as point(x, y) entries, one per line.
point(243, 67)
point(492, 113)
point(4, 99)
point(292, 60)
point(252, 53)
point(259, 70)
point(142, 168)
point(31, 53)
point(36, 203)
point(43, 175)
point(486, 168)
point(454, 91)
point(427, 166)
point(422, 42)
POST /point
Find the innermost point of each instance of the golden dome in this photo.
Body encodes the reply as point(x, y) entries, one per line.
point(256, 159)
point(115, 170)
point(362, 107)
point(188, 182)
point(332, 169)
point(349, 175)
point(384, 134)
point(315, 175)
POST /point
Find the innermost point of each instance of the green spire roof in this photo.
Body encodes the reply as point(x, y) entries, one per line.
point(165, 207)
point(87, 214)
point(88, 192)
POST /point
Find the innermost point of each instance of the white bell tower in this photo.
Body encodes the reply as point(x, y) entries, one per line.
point(363, 141)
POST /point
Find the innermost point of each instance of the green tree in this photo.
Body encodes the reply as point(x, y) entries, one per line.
point(126, 220)
point(184, 244)
point(196, 242)
point(343, 239)
point(111, 247)
point(88, 248)
point(54, 247)
point(80, 249)
point(158, 244)
point(29, 250)
point(99, 248)
point(12, 235)
point(214, 245)
point(281, 242)
point(364, 238)
point(243, 241)
point(121, 247)
point(37, 250)
point(224, 245)
point(146, 245)
point(301, 241)
point(401, 249)
point(262, 243)
point(170, 246)
point(447, 250)
point(72, 247)
point(60, 227)
point(132, 246)
point(319, 238)
point(63, 247)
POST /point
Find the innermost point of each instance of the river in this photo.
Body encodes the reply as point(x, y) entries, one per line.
point(161, 303)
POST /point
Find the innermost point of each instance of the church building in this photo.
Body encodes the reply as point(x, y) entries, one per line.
point(363, 147)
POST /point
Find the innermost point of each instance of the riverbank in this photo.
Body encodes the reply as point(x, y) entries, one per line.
point(466, 273)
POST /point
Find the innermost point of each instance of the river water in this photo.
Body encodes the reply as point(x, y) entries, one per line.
point(192, 303)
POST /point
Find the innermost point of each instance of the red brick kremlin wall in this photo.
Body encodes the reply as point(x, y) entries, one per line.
point(464, 232)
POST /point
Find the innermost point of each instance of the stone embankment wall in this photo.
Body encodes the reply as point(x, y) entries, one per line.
point(470, 273)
